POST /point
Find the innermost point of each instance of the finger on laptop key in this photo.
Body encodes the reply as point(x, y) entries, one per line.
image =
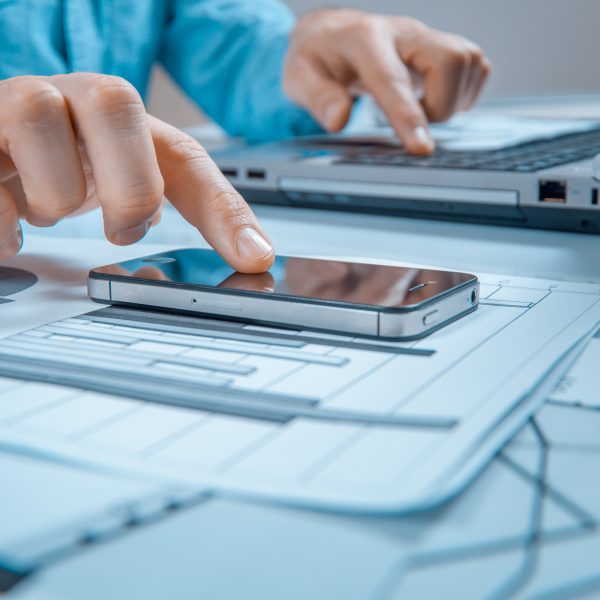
point(198, 190)
point(387, 78)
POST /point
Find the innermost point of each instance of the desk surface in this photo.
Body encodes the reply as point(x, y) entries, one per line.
point(461, 246)
point(527, 527)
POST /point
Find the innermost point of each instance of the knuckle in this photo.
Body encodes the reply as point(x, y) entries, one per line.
point(62, 205)
point(111, 95)
point(141, 199)
point(456, 58)
point(361, 27)
point(188, 155)
point(486, 67)
point(230, 205)
point(35, 102)
point(183, 147)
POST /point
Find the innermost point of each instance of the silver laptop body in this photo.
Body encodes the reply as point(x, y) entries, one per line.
point(498, 170)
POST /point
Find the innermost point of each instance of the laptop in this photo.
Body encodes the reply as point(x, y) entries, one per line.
point(501, 170)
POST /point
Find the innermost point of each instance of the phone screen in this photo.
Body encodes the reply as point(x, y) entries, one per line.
point(328, 280)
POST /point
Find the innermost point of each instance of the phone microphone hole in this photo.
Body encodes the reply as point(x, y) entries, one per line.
point(194, 301)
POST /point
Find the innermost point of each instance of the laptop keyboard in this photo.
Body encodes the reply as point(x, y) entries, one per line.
point(525, 158)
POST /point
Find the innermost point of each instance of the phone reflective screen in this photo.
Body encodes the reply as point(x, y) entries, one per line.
point(329, 280)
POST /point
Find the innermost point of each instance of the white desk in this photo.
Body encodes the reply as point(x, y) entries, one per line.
point(507, 535)
point(483, 248)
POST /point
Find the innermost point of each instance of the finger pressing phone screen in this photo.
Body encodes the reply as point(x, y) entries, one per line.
point(326, 280)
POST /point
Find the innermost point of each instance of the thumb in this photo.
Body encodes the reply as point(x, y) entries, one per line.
point(329, 101)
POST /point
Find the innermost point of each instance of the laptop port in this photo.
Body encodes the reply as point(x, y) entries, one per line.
point(229, 172)
point(256, 174)
point(553, 191)
point(595, 196)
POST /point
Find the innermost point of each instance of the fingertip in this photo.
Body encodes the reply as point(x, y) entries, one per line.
point(261, 265)
point(255, 252)
point(419, 141)
point(126, 237)
point(336, 114)
point(19, 237)
point(11, 247)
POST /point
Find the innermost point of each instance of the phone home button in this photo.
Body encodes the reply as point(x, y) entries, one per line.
point(431, 318)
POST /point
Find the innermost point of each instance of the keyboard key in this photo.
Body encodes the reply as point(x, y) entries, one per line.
point(533, 156)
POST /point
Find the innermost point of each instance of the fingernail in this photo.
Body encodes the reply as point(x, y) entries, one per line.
point(19, 236)
point(11, 247)
point(424, 138)
point(132, 235)
point(251, 245)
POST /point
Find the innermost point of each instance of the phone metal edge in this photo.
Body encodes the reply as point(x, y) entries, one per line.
point(372, 323)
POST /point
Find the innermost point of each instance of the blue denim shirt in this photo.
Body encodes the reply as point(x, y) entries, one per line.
point(227, 55)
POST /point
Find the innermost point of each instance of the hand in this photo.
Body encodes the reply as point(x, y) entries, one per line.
point(335, 52)
point(72, 142)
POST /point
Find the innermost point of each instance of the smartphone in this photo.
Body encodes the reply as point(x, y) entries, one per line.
point(381, 301)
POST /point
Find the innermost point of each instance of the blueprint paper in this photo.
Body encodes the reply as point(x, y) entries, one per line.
point(346, 423)
point(528, 527)
point(47, 280)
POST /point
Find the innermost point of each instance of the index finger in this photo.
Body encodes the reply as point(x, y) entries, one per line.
point(198, 190)
point(384, 75)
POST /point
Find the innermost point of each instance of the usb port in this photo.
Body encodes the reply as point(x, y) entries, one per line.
point(256, 174)
point(553, 191)
point(229, 172)
point(595, 196)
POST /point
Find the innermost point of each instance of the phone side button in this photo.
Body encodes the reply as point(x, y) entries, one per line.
point(431, 317)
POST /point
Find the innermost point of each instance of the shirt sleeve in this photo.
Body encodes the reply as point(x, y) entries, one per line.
point(228, 55)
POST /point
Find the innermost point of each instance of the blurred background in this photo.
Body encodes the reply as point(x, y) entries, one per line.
point(536, 46)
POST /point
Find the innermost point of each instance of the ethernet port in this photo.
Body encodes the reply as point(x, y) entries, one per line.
point(551, 190)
